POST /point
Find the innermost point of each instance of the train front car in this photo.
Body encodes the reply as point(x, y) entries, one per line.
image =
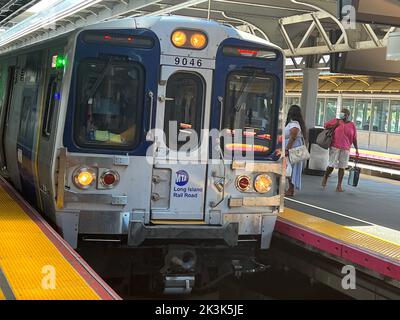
point(171, 143)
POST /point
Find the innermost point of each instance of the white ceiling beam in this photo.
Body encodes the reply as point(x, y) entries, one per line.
point(22, 30)
point(177, 7)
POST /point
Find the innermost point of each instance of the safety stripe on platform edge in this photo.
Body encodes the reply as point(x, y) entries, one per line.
point(99, 287)
point(365, 250)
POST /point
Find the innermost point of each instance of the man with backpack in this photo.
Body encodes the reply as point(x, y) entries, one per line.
point(344, 136)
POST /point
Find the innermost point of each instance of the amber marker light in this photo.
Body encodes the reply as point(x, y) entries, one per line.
point(84, 178)
point(263, 183)
point(198, 41)
point(179, 38)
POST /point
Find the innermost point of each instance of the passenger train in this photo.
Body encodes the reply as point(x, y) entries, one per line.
point(80, 121)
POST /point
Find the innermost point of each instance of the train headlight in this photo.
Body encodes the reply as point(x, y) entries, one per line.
point(179, 38)
point(263, 183)
point(109, 179)
point(84, 177)
point(189, 39)
point(243, 183)
point(198, 40)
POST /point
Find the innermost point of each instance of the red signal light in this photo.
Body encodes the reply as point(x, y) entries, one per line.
point(243, 183)
point(248, 52)
point(110, 179)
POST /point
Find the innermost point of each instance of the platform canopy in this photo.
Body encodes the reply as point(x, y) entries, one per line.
point(11, 9)
point(349, 84)
point(302, 27)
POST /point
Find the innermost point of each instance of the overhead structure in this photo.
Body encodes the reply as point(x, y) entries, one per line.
point(341, 83)
point(9, 9)
point(306, 27)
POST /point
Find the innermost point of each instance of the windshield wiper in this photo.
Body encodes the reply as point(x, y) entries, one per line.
point(92, 91)
point(245, 85)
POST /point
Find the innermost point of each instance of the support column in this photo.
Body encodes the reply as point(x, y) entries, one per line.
point(309, 96)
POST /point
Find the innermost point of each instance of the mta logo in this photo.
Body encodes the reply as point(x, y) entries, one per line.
point(182, 178)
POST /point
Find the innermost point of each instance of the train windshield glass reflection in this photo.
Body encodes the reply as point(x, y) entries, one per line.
point(183, 110)
point(108, 104)
point(249, 110)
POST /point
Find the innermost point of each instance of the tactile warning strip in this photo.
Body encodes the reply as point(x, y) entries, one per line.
point(32, 264)
point(367, 250)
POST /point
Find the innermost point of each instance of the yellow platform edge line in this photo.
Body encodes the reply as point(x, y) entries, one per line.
point(25, 250)
point(2, 296)
point(339, 232)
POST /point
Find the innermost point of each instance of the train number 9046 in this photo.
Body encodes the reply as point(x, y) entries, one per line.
point(188, 62)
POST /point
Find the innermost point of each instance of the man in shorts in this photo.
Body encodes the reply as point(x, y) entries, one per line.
point(345, 135)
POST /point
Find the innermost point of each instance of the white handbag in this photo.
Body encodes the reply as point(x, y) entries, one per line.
point(299, 154)
point(289, 169)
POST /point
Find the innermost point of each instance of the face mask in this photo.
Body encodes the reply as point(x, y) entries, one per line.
point(342, 116)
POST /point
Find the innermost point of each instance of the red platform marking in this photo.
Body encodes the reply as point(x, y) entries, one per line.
point(359, 256)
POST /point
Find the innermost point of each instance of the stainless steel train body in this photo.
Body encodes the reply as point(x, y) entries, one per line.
point(77, 134)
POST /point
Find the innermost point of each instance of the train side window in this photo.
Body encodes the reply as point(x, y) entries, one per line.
point(183, 110)
point(51, 99)
point(109, 104)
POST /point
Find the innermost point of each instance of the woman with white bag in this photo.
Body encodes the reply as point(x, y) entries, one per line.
point(295, 132)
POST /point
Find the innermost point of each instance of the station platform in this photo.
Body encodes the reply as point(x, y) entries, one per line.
point(376, 157)
point(360, 225)
point(36, 263)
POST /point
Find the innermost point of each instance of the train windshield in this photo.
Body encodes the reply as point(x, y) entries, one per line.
point(249, 110)
point(108, 104)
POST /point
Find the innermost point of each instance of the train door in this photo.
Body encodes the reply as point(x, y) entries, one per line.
point(6, 112)
point(27, 124)
point(48, 130)
point(180, 168)
point(11, 130)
